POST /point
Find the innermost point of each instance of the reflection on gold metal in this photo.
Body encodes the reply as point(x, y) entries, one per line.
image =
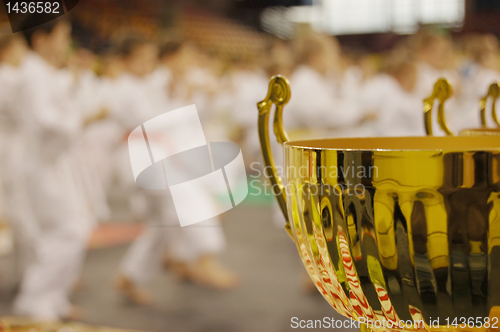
point(393, 229)
point(494, 93)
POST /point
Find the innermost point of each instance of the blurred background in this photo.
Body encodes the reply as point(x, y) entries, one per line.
point(357, 68)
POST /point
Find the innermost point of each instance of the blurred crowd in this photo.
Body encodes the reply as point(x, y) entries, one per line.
point(382, 94)
point(65, 115)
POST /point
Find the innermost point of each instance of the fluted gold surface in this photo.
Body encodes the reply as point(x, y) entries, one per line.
point(393, 229)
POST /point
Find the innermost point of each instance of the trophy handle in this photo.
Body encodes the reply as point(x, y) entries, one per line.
point(442, 91)
point(494, 93)
point(278, 94)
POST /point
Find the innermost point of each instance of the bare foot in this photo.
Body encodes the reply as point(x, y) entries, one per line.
point(75, 314)
point(78, 286)
point(132, 292)
point(309, 287)
point(208, 272)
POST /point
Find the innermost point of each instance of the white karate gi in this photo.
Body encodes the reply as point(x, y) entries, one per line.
point(399, 113)
point(476, 81)
point(14, 196)
point(63, 221)
point(96, 144)
point(139, 101)
point(351, 82)
point(10, 121)
point(247, 89)
point(315, 104)
point(202, 83)
point(428, 75)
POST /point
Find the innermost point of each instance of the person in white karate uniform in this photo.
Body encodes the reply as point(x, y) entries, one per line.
point(144, 94)
point(391, 95)
point(14, 210)
point(435, 59)
point(100, 137)
point(192, 250)
point(62, 222)
point(478, 72)
point(12, 51)
point(315, 103)
point(247, 86)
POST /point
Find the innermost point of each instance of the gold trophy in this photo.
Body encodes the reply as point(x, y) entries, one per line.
point(398, 233)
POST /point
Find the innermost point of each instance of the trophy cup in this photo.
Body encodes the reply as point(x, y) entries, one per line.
point(398, 233)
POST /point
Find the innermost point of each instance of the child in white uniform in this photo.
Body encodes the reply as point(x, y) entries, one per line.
point(13, 205)
point(100, 136)
point(12, 51)
point(62, 221)
point(247, 86)
point(191, 249)
point(392, 96)
point(478, 73)
point(435, 59)
point(315, 103)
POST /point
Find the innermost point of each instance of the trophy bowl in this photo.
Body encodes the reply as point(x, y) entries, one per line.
point(399, 233)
